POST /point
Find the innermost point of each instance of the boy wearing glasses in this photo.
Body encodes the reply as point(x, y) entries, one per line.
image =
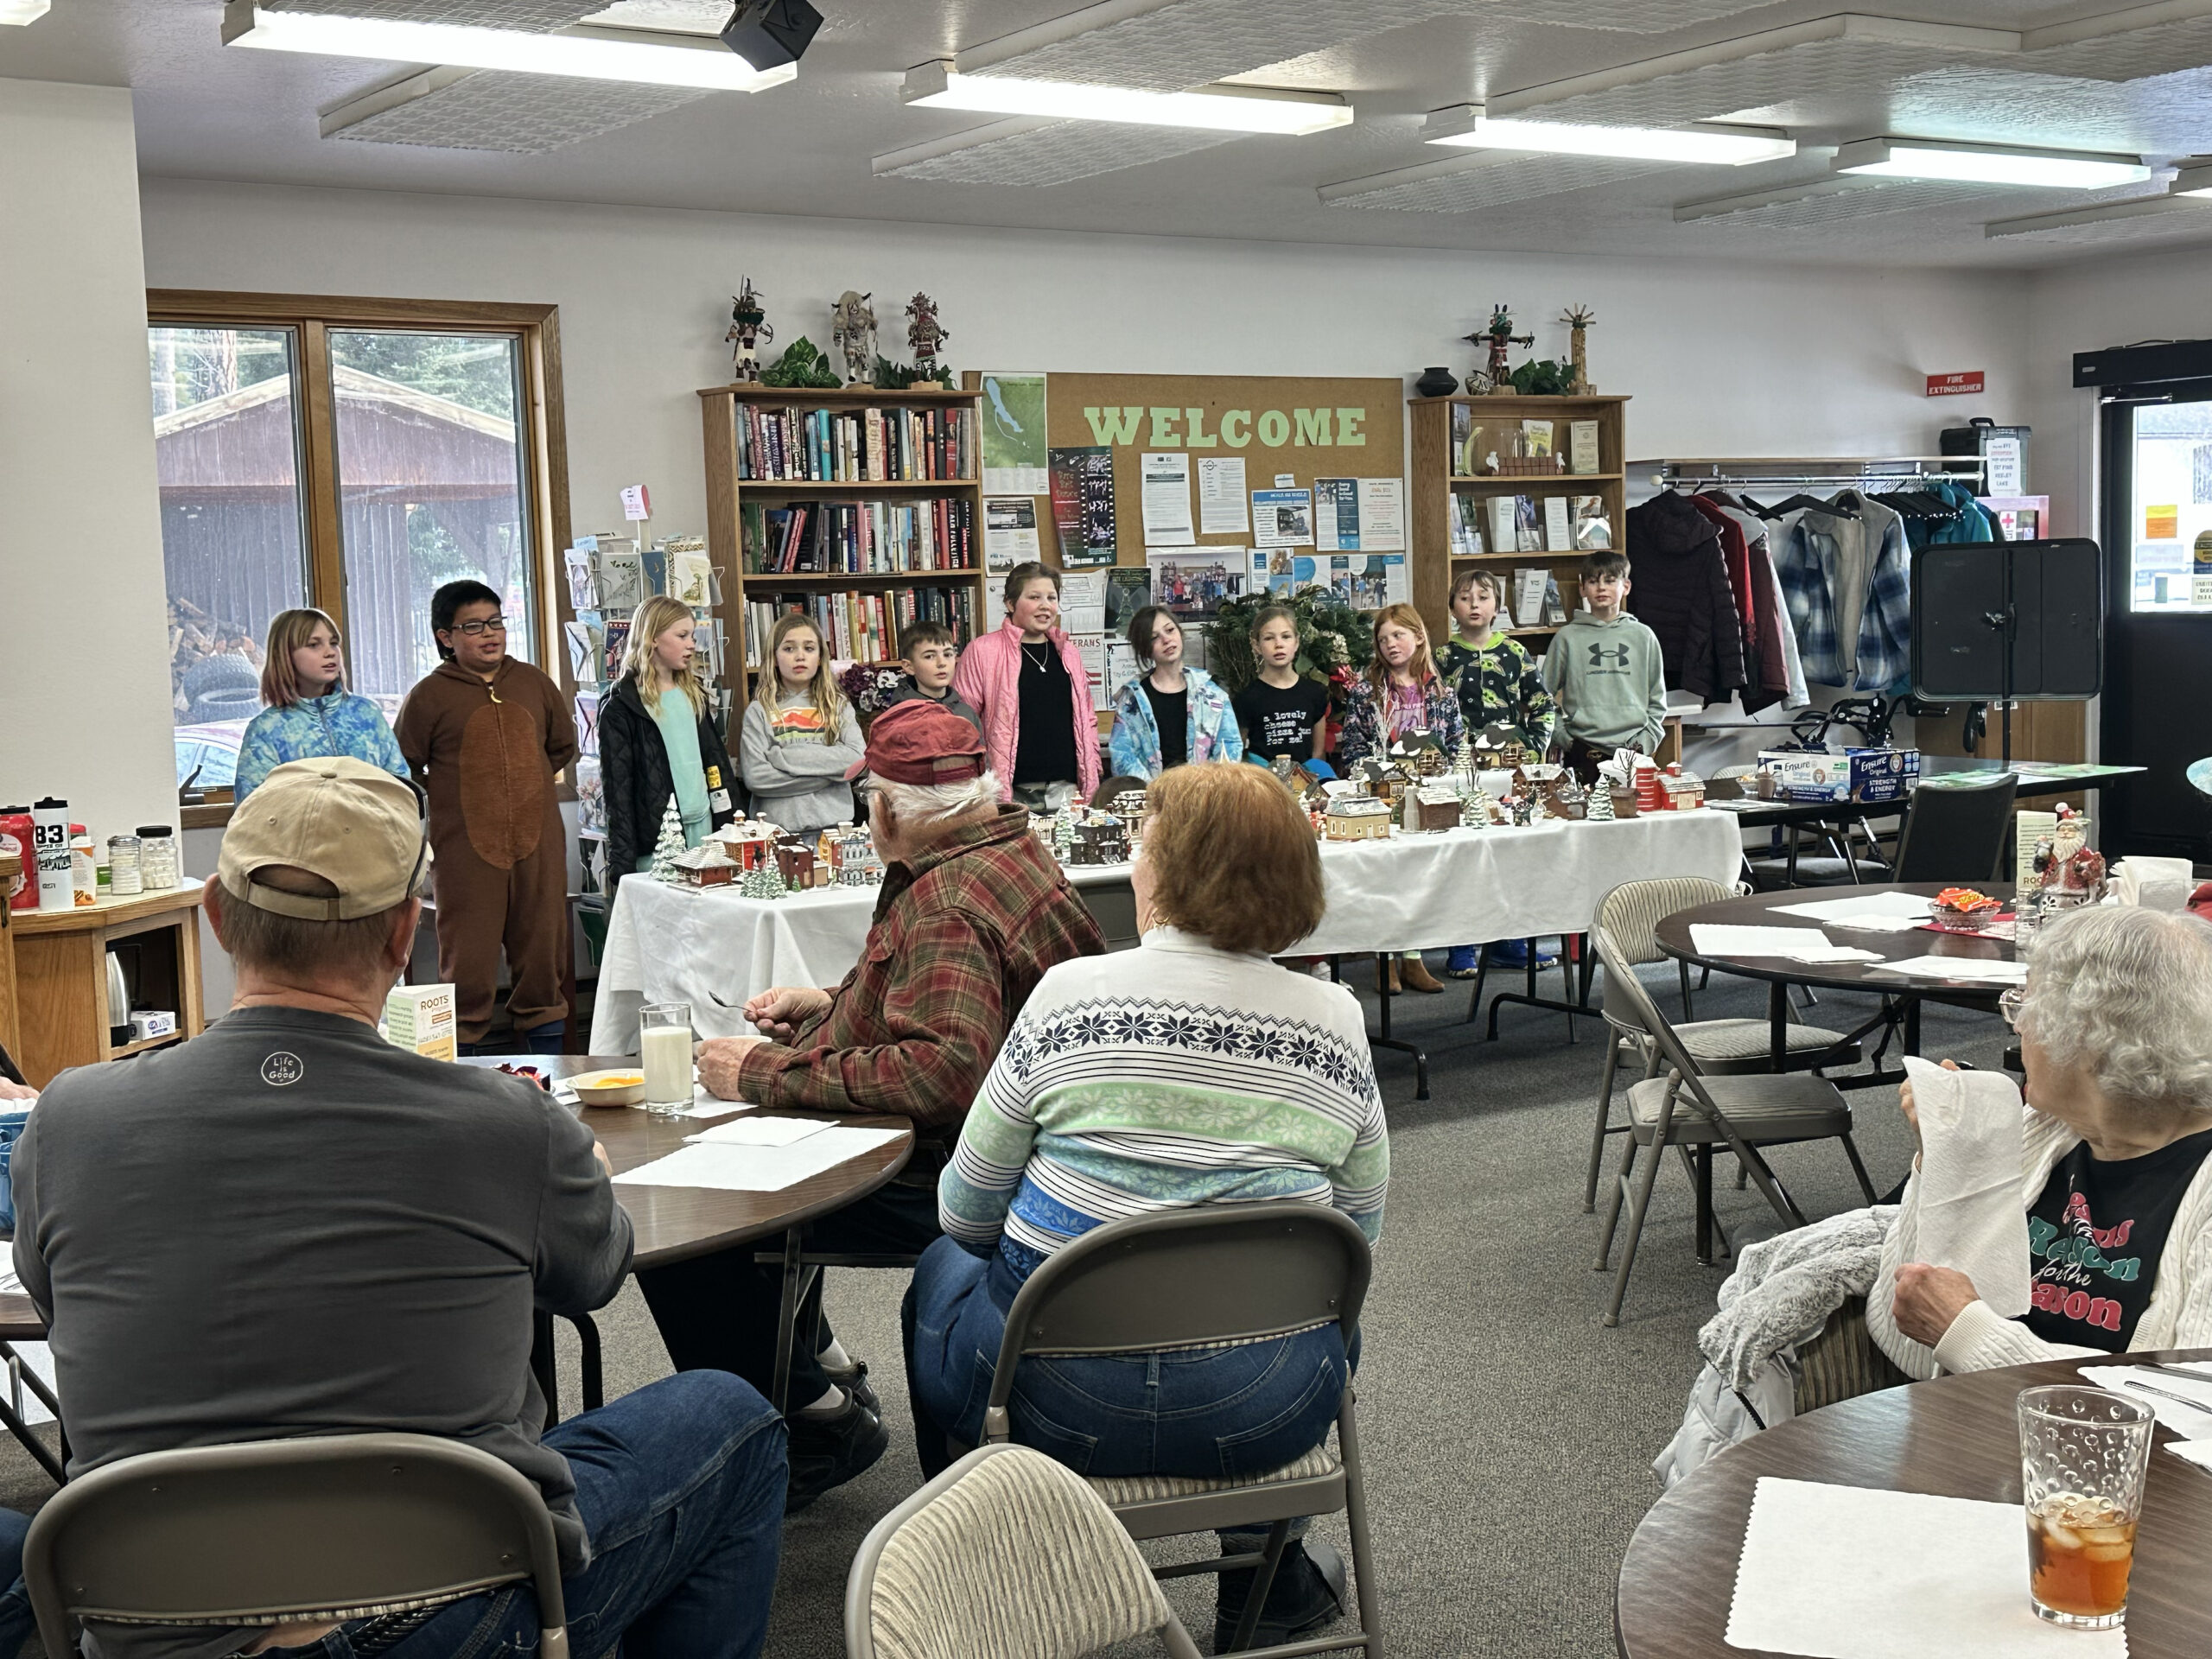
point(486, 735)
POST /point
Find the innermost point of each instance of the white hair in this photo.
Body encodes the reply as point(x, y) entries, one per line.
point(2126, 995)
point(920, 805)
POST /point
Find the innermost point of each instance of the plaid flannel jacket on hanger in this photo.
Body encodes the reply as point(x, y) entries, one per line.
point(1807, 560)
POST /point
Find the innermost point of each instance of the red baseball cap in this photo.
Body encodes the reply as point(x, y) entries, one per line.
point(917, 742)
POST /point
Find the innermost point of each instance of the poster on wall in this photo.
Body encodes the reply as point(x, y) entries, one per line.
point(1282, 518)
point(1282, 573)
point(1083, 602)
point(1083, 505)
point(1014, 434)
point(1221, 496)
point(1128, 591)
point(1167, 495)
point(1009, 531)
point(1195, 582)
point(1360, 515)
point(1368, 582)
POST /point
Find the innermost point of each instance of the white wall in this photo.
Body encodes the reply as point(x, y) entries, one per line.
point(1722, 359)
point(83, 632)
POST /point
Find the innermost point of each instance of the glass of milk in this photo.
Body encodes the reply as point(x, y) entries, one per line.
point(664, 1046)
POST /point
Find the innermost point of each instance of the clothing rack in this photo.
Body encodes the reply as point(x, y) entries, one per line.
point(1801, 472)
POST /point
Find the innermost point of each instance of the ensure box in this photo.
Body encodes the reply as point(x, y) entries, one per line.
point(1883, 774)
point(1808, 774)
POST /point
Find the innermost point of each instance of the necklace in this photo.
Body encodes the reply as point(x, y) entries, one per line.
point(1043, 655)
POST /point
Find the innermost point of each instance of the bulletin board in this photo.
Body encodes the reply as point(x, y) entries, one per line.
point(1286, 431)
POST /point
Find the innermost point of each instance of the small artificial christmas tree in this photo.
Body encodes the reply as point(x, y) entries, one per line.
point(671, 844)
point(763, 881)
point(1600, 810)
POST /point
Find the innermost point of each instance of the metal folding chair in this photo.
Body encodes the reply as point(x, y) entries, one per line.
point(334, 1527)
point(1222, 1272)
point(1005, 1555)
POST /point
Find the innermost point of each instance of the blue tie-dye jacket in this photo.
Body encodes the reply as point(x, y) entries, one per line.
point(340, 723)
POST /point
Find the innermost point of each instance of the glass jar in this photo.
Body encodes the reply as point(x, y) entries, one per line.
point(157, 861)
point(123, 881)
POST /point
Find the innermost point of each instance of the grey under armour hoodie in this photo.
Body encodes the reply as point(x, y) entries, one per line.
point(1610, 683)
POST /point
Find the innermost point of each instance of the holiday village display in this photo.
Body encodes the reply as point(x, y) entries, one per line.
point(759, 861)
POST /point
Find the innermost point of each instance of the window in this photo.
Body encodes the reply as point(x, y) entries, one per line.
point(352, 455)
point(2171, 470)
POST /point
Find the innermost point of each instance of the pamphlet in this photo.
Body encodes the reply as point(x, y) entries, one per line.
point(1503, 536)
point(1381, 515)
point(1282, 518)
point(1528, 532)
point(1593, 530)
point(1009, 531)
point(1336, 515)
point(1083, 601)
point(1538, 435)
point(1221, 496)
point(1582, 447)
point(1167, 497)
point(1559, 530)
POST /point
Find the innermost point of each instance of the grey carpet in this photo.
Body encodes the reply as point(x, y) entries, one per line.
point(1509, 1435)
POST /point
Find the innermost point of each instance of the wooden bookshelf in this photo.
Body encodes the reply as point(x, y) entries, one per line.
point(721, 408)
point(1435, 490)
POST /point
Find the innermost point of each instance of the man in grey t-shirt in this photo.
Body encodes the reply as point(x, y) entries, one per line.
point(289, 1227)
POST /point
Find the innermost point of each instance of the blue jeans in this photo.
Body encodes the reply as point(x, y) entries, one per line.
point(1203, 1412)
point(682, 1486)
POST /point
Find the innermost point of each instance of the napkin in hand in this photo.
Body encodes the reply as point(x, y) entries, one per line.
point(1972, 1217)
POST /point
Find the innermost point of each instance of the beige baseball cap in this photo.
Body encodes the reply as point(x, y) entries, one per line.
point(354, 824)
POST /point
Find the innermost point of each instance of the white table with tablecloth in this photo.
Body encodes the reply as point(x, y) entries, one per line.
point(714, 949)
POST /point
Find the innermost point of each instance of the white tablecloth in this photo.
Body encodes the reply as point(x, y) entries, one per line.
point(714, 949)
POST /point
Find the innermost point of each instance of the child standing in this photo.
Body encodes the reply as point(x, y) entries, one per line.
point(1497, 681)
point(800, 736)
point(933, 657)
point(310, 714)
point(1402, 692)
point(1283, 712)
point(1605, 669)
point(1169, 715)
point(657, 742)
point(488, 736)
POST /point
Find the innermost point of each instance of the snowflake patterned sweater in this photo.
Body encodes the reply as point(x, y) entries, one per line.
point(1163, 1078)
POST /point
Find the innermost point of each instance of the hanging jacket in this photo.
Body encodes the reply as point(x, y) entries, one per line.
point(1845, 577)
point(1680, 591)
point(1213, 733)
point(634, 772)
point(1972, 524)
point(338, 723)
point(1735, 550)
point(989, 680)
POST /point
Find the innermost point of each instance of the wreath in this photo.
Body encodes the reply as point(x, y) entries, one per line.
point(1335, 642)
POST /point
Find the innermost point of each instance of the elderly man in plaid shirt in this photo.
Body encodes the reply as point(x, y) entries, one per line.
point(973, 911)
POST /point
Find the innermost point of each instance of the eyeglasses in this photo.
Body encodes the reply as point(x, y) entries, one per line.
point(488, 625)
point(2010, 1003)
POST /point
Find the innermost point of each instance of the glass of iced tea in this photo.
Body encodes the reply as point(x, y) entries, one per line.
point(2084, 1453)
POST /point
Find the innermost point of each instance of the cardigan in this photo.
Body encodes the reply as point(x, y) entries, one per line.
point(1213, 731)
point(1164, 1077)
point(2179, 1316)
point(989, 680)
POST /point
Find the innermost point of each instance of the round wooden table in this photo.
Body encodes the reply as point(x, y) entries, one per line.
point(1764, 910)
point(1955, 1437)
point(673, 1223)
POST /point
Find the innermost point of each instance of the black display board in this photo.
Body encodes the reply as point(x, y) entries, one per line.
point(2008, 619)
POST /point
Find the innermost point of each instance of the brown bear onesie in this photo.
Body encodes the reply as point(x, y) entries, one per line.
point(487, 752)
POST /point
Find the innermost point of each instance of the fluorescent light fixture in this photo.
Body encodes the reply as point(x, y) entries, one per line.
point(1465, 126)
point(938, 86)
point(639, 56)
point(2195, 178)
point(1929, 158)
point(23, 11)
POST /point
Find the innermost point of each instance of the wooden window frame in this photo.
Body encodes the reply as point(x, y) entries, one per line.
point(544, 423)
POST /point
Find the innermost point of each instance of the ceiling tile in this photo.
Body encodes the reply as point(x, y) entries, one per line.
point(525, 115)
point(1497, 177)
point(541, 16)
point(2176, 36)
point(1638, 16)
point(2156, 219)
point(1824, 202)
point(1053, 152)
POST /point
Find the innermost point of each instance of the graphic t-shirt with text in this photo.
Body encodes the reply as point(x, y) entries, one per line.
point(1281, 720)
point(2094, 1237)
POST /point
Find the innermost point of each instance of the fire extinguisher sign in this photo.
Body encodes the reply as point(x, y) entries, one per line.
point(1954, 386)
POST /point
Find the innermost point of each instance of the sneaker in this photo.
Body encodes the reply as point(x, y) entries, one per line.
point(853, 1379)
point(1306, 1597)
point(1514, 953)
point(827, 1452)
point(1460, 964)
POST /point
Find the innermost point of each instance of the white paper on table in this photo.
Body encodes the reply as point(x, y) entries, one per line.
point(756, 1169)
point(1852, 1573)
point(1878, 923)
point(1983, 969)
point(1222, 510)
point(2186, 1421)
point(2196, 1451)
point(1165, 499)
point(1900, 905)
point(1970, 1214)
point(758, 1132)
point(1803, 944)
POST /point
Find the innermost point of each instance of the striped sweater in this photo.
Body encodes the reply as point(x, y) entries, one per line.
point(1162, 1077)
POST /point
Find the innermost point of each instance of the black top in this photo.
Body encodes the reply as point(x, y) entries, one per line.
point(2095, 1236)
point(1044, 753)
point(1282, 722)
point(1171, 712)
point(637, 782)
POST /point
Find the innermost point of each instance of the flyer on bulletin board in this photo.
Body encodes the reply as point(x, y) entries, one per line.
point(1197, 581)
point(1083, 505)
point(1282, 518)
point(1014, 434)
point(1009, 531)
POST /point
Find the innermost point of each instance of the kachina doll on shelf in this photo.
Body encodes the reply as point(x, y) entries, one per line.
point(1495, 375)
point(748, 328)
point(852, 331)
point(926, 336)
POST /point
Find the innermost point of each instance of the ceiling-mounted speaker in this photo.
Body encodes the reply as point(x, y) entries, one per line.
point(768, 34)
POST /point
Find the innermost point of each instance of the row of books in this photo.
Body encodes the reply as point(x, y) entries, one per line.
point(862, 628)
point(859, 537)
point(611, 573)
point(855, 445)
point(1527, 523)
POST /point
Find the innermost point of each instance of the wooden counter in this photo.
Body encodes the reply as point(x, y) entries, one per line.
point(62, 1015)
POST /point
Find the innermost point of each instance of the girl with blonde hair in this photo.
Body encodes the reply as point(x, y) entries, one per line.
point(310, 714)
point(800, 736)
point(657, 742)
